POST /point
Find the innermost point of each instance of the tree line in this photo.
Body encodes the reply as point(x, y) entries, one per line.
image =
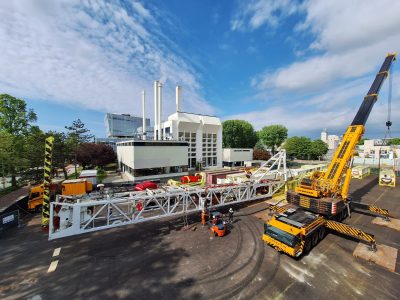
point(22, 144)
point(241, 134)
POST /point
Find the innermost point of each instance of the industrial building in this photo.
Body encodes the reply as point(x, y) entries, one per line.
point(123, 125)
point(236, 157)
point(202, 132)
point(377, 149)
point(331, 140)
point(145, 160)
point(195, 138)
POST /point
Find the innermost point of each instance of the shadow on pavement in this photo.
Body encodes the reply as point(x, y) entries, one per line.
point(138, 263)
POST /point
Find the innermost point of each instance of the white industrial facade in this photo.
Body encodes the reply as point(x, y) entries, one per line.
point(182, 142)
point(203, 134)
point(234, 157)
point(144, 160)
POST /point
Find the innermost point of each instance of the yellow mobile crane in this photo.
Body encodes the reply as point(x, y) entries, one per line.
point(321, 200)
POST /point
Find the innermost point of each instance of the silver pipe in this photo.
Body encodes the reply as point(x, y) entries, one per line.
point(144, 131)
point(178, 98)
point(155, 109)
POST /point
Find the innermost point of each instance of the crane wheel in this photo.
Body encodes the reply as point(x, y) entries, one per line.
point(314, 239)
point(307, 246)
point(38, 208)
point(321, 233)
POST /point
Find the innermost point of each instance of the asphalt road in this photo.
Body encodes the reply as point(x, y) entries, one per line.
point(161, 260)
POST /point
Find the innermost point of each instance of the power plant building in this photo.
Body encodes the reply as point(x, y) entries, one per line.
point(123, 125)
point(194, 138)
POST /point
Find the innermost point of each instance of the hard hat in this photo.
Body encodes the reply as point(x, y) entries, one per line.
point(231, 210)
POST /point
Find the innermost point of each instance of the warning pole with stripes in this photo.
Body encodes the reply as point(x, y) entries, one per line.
point(48, 151)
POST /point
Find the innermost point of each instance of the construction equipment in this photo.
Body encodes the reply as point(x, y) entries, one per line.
point(78, 186)
point(321, 200)
point(63, 187)
point(199, 179)
point(35, 198)
point(217, 224)
point(72, 216)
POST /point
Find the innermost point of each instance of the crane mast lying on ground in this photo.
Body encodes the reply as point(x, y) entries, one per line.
point(321, 200)
point(71, 215)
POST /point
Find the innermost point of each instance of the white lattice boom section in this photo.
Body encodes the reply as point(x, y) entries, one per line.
point(70, 216)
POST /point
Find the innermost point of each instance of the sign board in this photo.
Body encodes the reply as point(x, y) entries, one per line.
point(8, 220)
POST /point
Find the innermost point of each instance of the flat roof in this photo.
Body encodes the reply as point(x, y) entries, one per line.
point(87, 173)
point(152, 143)
point(74, 180)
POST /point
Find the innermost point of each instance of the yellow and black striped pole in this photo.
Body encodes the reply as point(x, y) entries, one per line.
point(48, 151)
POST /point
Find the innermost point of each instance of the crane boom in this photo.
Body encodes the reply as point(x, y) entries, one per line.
point(320, 201)
point(370, 99)
point(330, 183)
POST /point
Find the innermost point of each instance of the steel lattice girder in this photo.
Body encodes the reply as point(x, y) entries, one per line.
point(80, 216)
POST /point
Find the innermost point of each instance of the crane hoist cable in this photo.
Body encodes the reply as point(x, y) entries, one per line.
point(388, 121)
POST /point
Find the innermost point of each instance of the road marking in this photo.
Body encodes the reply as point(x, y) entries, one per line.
point(56, 252)
point(53, 266)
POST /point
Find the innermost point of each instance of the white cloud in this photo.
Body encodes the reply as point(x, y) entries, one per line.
point(353, 39)
point(349, 41)
point(336, 119)
point(93, 54)
point(253, 14)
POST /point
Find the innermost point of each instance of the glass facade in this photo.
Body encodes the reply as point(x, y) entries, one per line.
point(123, 125)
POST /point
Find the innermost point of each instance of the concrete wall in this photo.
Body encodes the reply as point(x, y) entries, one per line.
point(237, 154)
point(144, 157)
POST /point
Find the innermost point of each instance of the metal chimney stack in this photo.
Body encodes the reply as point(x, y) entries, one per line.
point(144, 129)
point(159, 92)
point(178, 98)
point(155, 109)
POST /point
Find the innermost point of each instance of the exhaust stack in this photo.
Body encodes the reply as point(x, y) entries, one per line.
point(178, 98)
point(159, 94)
point(144, 133)
point(155, 109)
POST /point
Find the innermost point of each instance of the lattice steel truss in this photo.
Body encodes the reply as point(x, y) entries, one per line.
point(71, 216)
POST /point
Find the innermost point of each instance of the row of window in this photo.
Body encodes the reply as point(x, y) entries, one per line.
point(154, 171)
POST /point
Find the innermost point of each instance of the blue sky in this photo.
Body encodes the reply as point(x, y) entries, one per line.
point(303, 64)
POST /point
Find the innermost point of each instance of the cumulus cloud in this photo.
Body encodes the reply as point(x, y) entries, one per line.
point(350, 37)
point(96, 54)
point(253, 14)
point(324, 87)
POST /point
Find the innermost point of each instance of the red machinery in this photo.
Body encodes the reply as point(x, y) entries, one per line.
point(150, 185)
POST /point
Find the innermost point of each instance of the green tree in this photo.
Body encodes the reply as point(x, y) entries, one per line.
point(6, 145)
point(259, 145)
point(361, 142)
point(77, 134)
point(273, 136)
point(298, 147)
point(33, 153)
point(15, 120)
point(318, 149)
point(394, 141)
point(238, 134)
point(96, 154)
point(62, 151)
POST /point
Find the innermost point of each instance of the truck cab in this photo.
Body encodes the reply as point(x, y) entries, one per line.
point(294, 231)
